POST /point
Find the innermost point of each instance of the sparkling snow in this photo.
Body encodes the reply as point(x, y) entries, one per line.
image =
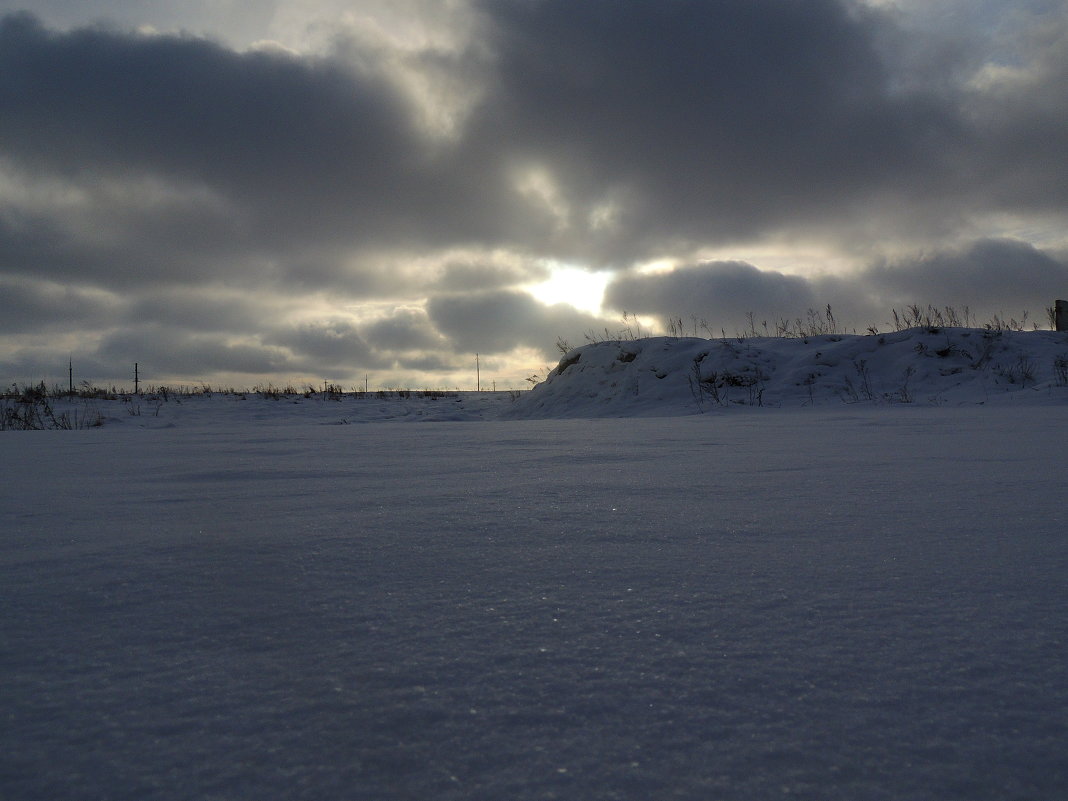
point(240, 600)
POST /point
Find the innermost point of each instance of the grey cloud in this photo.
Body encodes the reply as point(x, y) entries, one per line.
point(404, 330)
point(660, 126)
point(1004, 277)
point(30, 365)
point(427, 363)
point(252, 123)
point(1023, 117)
point(483, 275)
point(306, 148)
point(109, 245)
point(713, 290)
point(989, 275)
point(640, 129)
point(497, 321)
point(42, 306)
point(660, 122)
point(205, 310)
point(167, 352)
point(334, 344)
point(36, 246)
point(200, 163)
point(721, 119)
point(246, 16)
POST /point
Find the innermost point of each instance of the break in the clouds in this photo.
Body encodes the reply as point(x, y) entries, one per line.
point(248, 191)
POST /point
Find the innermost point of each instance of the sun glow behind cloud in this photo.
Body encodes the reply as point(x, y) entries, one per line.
point(389, 186)
point(580, 288)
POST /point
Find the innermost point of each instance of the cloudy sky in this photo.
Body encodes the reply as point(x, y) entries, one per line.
point(241, 191)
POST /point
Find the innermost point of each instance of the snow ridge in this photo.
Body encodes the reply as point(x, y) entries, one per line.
point(669, 376)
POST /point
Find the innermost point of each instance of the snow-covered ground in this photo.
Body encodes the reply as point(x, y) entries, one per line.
point(925, 366)
point(247, 599)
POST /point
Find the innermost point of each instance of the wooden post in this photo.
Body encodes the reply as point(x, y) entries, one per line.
point(1061, 315)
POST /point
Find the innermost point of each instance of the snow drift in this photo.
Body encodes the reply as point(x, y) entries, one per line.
point(930, 366)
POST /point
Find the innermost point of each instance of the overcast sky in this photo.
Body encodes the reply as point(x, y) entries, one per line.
point(246, 191)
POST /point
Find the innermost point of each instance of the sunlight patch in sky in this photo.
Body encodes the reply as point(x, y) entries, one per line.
point(579, 288)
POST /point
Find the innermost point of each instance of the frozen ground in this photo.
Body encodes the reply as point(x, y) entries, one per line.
point(240, 600)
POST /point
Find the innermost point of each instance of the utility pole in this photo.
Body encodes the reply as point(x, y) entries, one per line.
point(70, 376)
point(137, 381)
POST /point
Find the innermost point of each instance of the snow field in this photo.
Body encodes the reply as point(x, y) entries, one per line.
point(835, 603)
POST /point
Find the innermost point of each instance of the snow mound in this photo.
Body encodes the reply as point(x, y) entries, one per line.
point(668, 376)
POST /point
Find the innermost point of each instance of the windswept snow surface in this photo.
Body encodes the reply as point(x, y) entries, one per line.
point(245, 600)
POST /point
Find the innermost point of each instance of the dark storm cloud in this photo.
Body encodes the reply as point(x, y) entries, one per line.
point(303, 148)
point(682, 119)
point(44, 306)
point(497, 321)
point(35, 245)
point(1019, 158)
point(250, 123)
point(659, 126)
point(716, 119)
point(116, 240)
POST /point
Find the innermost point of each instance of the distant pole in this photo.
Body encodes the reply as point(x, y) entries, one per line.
point(365, 384)
point(478, 376)
point(70, 376)
point(137, 380)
